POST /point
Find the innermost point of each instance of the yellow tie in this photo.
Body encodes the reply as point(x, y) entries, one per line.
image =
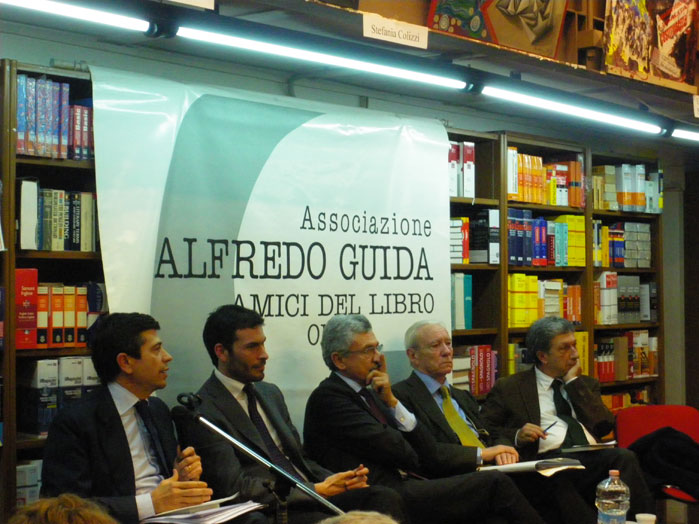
point(459, 425)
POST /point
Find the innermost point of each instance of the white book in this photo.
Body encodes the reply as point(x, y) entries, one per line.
point(28, 218)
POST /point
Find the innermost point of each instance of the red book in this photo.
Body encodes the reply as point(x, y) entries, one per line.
point(42, 317)
point(481, 369)
point(81, 316)
point(488, 358)
point(26, 283)
point(473, 372)
point(56, 316)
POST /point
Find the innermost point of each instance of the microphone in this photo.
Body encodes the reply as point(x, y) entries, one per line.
point(189, 400)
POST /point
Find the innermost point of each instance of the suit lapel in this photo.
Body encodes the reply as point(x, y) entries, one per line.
point(114, 445)
point(530, 396)
point(232, 410)
point(429, 406)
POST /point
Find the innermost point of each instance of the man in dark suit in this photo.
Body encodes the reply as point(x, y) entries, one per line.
point(237, 400)
point(554, 395)
point(453, 418)
point(353, 416)
point(118, 446)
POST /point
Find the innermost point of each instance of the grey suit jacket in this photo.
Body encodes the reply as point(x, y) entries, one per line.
point(514, 401)
point(414, 395)
point(227, 471)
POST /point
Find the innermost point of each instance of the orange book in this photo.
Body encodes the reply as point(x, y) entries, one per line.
point(56, 339)
point(81, 316)
point(69, 316)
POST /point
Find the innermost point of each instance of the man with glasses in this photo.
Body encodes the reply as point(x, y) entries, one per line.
point(453, 418)
point(353, 416)
point(237, 400)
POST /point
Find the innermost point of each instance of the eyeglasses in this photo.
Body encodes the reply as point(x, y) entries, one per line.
point(369, 350)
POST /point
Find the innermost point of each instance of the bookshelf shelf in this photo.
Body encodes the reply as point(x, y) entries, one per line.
point(484, 202)
point(563, 210)
point(60, 255)
point(619, 327)
point(474, 332)
point(474, 267)
point(52, 353)
point(624, 215)
point(545, 269)
point(621, 384)
point(30, 443)
point(627, 270)
point(87, 165)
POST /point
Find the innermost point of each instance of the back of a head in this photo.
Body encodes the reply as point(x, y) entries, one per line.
point(359, 517)
point(64, 509)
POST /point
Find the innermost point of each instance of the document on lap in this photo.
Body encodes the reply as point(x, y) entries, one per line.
point(546, 467)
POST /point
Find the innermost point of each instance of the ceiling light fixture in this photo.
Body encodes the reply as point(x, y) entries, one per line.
point(319, 58)
point(687, 135)
point(80, 13)
point(568, 109)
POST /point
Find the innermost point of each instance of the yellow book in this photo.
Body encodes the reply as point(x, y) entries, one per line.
point(581, 341)
point(512, 168)
point(605, 246)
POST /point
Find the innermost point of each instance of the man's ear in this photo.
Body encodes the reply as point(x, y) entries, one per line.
point(542, 356)
point(124, 363)
point(221, 352)
point(411, 352)
point(338, 361)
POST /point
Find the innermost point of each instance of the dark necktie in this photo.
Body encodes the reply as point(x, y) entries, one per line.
point(575, 434)
point(275, 454)
point(373, 406)
point(147, 417)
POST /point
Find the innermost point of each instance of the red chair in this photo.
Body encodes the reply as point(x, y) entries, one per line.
point(635, 422)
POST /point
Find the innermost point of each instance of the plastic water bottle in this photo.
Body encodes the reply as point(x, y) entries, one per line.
point(612, 500)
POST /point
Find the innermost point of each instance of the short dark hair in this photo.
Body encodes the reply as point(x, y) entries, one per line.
point(118, 333)
point(338, 335)
point(543, 331)
point(222, 324)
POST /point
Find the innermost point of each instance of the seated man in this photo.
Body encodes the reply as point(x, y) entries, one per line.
point(554, 395)
point(117, 445)
point(236, 399)
point(353, 416)
point(452, 416)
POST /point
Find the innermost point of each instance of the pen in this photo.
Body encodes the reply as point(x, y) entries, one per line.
point(554, 423)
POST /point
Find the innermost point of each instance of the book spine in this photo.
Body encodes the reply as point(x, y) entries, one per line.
point(26, 283)
point(21, 114)
point(56, 317)
point(31, 116)
point(64, 130)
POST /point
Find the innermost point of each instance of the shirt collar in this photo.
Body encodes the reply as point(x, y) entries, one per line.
point(350, 382)
point(542, 379)
point(234, 387)
point(431, 384)
point(122, 397)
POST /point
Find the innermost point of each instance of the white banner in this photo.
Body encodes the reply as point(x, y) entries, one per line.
point(297, 209)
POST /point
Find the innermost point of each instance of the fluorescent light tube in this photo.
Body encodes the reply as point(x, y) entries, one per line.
point(81, 13)
point(567, 109)
point(320, 58)
point(688, 135)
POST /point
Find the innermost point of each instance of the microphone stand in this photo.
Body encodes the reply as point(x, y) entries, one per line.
point(284, 481)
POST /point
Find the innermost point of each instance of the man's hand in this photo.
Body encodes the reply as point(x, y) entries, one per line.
point(340, 482)
point(173, 493)
point(572, 372)
point(188, 464)
point(500, 454)
point(529, 433)
point(379, 380)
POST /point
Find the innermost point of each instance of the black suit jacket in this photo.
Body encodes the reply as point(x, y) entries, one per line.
point(514, 401)
point(227, 471)
point(414, 395)
point(87, 453)
point(340, 432)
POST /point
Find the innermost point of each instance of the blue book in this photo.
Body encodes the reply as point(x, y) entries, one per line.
point(511, 237)
point(528, 240)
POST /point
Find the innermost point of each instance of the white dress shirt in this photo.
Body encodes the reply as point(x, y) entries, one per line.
point(144, 465)
point(556, 434)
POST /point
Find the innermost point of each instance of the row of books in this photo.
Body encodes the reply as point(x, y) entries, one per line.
point(624, 299)
point(633, 354)
point(475, 240)
point(622, 244)
point(462, 169)
point(477, 370)
point(552, 184)
point(54, 315)
point(541, 242)
point(627, 188)
point(56, 219)
point(46, 385)
point(618, 401)
point(461, 301)
point(530, 298)
point(28, 481)
point(519, 358)
point(48, 125)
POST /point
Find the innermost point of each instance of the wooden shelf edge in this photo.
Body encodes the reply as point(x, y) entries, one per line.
point(615, 327)
point(600, 213)
point(494, 202)
point(51, 353)
point(546, 269)
point(55, 162)
point(642, 270)
point(474, 267)
point(60, 255)
point(541, 207)
point(474, 332)
point(30, 442)
point(640, 381)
